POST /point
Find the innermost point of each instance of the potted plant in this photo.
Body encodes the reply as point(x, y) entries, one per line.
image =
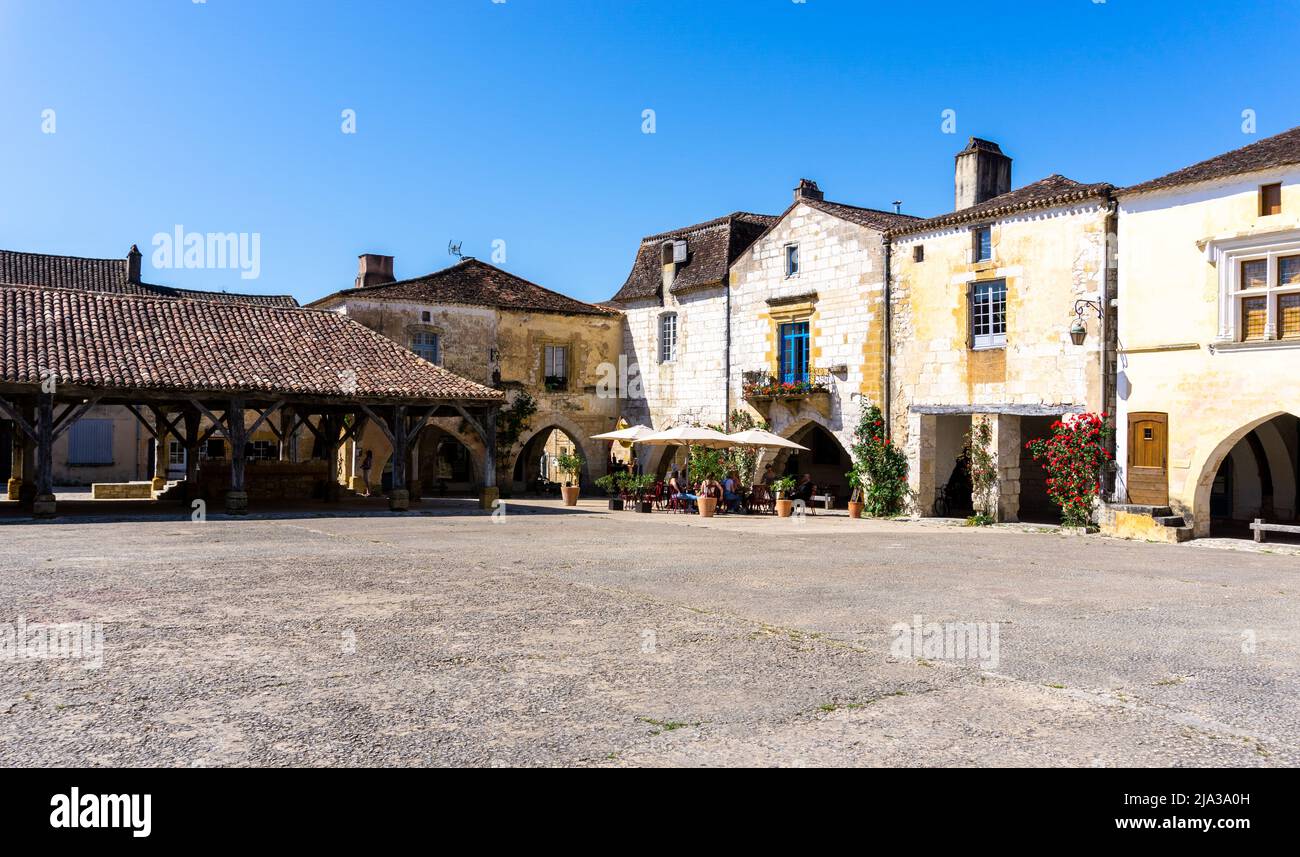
point(781, 487)
point(571, 466)
point(639, 485)
point(611, 483)
point(707, 464)
point(858, 482)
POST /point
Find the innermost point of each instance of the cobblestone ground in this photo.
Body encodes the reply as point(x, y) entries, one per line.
point(584, 637)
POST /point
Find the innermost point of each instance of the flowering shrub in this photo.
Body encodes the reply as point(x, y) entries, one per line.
point(983, 471)
point(1074, 457)
point(880, 467)
point(774, 389)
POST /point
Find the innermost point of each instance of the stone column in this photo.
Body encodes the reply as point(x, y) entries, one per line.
point(1006, 453)
point(922, 430)
point(413, 485)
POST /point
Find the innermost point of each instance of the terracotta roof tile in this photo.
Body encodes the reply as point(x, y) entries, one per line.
point(103, 340)
point(1044, 193)
point(1280, 150)
point(472, 282)
point(711, 247)
point(107, 275)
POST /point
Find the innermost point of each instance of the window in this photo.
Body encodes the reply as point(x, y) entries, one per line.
point(1259, 289)
point(672, 252)
point(557, 367)
point(90, 443)
point(214, 449)
point(1270, 199)
point(426, 345)
point(1288, 312)
point(668, 337)
point(175, 453)
point(792, 260)
point(1254, 274)
point(794, 352)
point(983, 243)
point(262, 450)
point(426, 316)
point(988, 313)
point(918, 253)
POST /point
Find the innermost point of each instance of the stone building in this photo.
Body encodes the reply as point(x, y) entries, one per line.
point(490, 326)
point(981, 303)
point(807, 328)
point(1209, 378)
point(675, 303)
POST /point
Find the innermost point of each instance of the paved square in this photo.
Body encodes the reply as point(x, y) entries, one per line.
point(585, 637)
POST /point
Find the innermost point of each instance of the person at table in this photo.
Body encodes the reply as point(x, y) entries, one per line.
point(769, 476)
point(731, 491)
point(680, 491)
point(805, 489)
point(710, 487)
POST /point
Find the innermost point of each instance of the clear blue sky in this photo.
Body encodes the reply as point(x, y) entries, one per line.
point(522, 120)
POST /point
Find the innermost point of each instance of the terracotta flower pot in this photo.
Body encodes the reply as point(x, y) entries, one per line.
point(708, 505)
point(570, 494)
point(855, 510)
point(784, 508)
point(616, 504)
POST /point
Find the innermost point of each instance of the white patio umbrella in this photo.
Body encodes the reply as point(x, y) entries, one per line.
point(761, 438)
point(631, 434)
point(688, 436)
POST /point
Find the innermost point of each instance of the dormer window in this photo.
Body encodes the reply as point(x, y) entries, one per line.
point(672, 252)
point(1270, 199)
point(792, 260)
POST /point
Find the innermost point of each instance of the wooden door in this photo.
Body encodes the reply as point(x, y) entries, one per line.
point(1148, 459)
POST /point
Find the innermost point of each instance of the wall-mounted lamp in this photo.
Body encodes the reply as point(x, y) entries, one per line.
point(1079, 327)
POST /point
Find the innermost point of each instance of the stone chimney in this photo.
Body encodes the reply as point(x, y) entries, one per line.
point(373, 269)
point(983, 172)
point(807, 189)
point(133, 264)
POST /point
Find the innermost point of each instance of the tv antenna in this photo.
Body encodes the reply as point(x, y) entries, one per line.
point(453, 249)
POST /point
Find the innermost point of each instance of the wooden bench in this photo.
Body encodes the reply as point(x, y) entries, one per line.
point(827, 501)
point(1260, 528)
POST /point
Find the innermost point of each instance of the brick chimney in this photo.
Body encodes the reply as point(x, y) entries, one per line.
point(133, 264)
point(373, 269)
point(983, 172)
point(807, 189)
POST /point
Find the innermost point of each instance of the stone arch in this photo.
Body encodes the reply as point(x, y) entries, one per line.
point(1206, 468)
point(825, 474)
point(591, 450)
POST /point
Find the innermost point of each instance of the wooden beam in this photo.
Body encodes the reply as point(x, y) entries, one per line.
point(77, 412)
point(17, 417)
point(383, 425)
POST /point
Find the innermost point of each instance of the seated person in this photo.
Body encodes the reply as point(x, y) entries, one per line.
point(711, 487)
point(731, 491)
point(769, 476)
point(805, 489)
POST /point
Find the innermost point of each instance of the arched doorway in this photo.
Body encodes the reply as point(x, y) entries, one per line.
point(535, 469)
point(825, 459)
point(1253, 474)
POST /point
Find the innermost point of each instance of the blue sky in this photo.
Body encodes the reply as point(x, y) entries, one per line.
point(522, 120)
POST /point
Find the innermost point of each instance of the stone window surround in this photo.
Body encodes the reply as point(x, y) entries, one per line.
point(995, 343)
point(538, 344)
point(436, 330)
point(1227, 254)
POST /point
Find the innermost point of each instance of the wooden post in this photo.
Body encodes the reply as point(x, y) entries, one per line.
point(491, 493)
point(1259, 529)
point(43, 506)
point(17, 446)
point(237, 435)
point(329, 424)
point(399, 498)
point(191, 452)
point(288, 435)
point(160, 450)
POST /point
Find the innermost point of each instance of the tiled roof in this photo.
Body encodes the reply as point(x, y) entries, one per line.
point(107, 275)
point(711, 247)
point(1280, 150)
point(1044, 193)
point(102, 340)
point(869, 217)
point(473, 282)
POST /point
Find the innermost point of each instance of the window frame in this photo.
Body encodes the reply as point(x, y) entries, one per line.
point(668, 350)
point(555, 383)
point(791, 270)
point(788, 332)
point(977, 243)
point(415, 348)
point(1231, 257)
point(1265, 191)
point(992, 338)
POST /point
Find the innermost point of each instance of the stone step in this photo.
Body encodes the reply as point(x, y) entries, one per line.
point(1171, 521)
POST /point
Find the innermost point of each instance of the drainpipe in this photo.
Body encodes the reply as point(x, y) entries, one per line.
point(726, 357)
point(1110, 270)
point(886, 404)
